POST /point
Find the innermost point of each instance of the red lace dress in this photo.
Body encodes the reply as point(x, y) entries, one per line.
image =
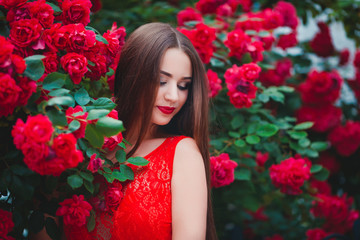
point(145, 210)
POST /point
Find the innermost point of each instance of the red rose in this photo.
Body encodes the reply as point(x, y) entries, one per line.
point(214, 83)
point(25, 32)
point(250, 71)
point(322, 43)
point(202, 35)
point(205, 53)
point(316, 234)
point(18, 63)
point(8, 4)
point(208, 6)
point(267, 41)
point(18, 13)
point(188, 14)
point(95, 163)
point(76, 157)
point(224, 10)
point(344, 56)
point(357, 59)
point(113, 114)
point(52, 165)
point(34, 154)
point(288, 12)
point(261, 158)
point(18, 133)
point(38, 128)
point(325, 117)
point(51, 62)
point(322, 187)
point(64, 145)
point(56, 37)
point(290, 175)
point(42, 12)
point(321, 87)
point(336, 211)
point(80, 133)
point(275, 237)
point(75, 64)
point(287, 40)
point(28, 87)
point(222, 170)
point(271, 78)
point(272, 19)
point(250, 21)
point(237, 42)
point(76, 11)
point(6, 49)
point(80, 39)
point(96, 6)
point(74, 210)
point(99, 69)
point(255, 49)
point(328, 161)
point(6, 224)
point(346, 139)
point(113, 196)
point(111, 142)
point(9, 94)
point(283, 67)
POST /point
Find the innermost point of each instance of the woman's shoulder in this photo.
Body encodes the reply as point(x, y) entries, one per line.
point(187, 154)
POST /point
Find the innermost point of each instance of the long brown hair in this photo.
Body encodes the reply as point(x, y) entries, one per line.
point(137, 79)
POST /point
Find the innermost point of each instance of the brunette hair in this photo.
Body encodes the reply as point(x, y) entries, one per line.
point(137, 79)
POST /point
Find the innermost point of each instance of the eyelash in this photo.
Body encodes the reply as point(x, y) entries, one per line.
point(181, 88)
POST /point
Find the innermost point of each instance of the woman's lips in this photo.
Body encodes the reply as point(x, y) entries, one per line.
point(166, 110)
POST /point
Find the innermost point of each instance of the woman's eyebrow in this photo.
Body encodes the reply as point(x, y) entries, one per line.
point(170, 75)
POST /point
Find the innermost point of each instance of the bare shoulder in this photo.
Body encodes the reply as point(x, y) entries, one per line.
point(187, 150)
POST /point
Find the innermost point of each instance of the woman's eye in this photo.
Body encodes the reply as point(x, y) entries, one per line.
point(184, 86)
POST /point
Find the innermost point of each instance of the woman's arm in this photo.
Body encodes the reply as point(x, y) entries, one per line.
point(189, 192)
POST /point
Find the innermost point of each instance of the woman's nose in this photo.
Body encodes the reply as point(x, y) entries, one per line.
point(171, 93)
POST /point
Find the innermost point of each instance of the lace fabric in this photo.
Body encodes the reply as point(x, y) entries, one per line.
point(145, 210)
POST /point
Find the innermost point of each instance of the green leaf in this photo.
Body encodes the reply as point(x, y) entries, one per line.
point(97, 113)
point(74, 125)
point(319, 146)
point(243, 174)
point(119, 175)
point(36, 221)
point(109, 126)
point(237, 122)
point(297, 135)
point(101, 39)
point(89, 186)
point(303, 126)
point(34, 67)
point(107, 170)
point(216, 63)
point(75, 181)
point(315, 168)
point(54, 80)
point(234, 134)
point(90, 151)
point(322, 175)
point(240, 143)
point(61, 100)
point(52, 229)
point(21, 170)
point(58, 118)
point(127, 171)
point(286, 89)
point(94, 136)
point(54, 7)
point(87, 176)
point(82, 97)
point(59, 92)
point(120, 156)
point(263, 97)
point(110, 72)
point(91, 221)
point(304, 142)
point(278, 97)
point(267, 130)
point(252, 139)
point(138, 161)
point(102, 103)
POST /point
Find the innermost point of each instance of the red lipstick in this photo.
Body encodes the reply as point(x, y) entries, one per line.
point(166, 110)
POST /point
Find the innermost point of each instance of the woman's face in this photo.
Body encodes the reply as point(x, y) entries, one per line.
point(175, 80)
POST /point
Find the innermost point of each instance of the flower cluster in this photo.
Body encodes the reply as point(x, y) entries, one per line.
point(202, 37)
point(346, 139)
point(34, 139)
point(222, 170)
point(336, 211)
point(290, 175)
point(6, 225)
point(277, 76)
point(239, 81)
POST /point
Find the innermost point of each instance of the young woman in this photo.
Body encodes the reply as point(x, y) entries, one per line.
point(162, 98)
